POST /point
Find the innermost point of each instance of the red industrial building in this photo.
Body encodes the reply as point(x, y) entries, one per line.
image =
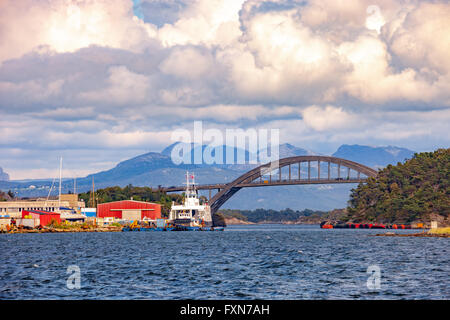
point(129, 210)
point(45, 217)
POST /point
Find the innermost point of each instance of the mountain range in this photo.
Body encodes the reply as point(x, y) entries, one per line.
point(157, 169)
point(376, 157)
point(3, 175)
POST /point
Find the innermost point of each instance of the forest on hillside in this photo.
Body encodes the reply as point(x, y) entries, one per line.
point(417, 190)
point(273, 216)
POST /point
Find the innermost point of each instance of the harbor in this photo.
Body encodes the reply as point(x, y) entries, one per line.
point(44, 216)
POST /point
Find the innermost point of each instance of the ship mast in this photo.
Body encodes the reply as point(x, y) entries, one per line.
point(190, 191)
point(187, 183)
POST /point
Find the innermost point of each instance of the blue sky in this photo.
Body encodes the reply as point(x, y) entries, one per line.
point(101, 81)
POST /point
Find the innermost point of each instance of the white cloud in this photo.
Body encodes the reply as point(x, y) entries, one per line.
point(375, 19)
point(282, 58)
point(372, 80)
point(188, 63)
point(66, 26)
point(421, 38)
point(207, 22)
point(328, 118)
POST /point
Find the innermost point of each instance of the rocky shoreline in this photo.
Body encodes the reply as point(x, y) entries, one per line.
point(422, 234)
point(236, 221)
point(57, 230)
point(432, 233)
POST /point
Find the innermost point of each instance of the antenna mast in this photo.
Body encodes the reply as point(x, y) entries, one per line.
point(93, 194)
point(60, 178)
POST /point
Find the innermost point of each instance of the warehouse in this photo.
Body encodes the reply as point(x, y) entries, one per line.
point(129, 210)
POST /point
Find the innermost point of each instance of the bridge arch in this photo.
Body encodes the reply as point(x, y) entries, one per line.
point(247, 178)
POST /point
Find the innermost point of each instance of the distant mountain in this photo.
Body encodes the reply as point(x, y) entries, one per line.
point(3, 175)
point(223, 156)
point(376, 157)
point(288, 150)
point(134, 167)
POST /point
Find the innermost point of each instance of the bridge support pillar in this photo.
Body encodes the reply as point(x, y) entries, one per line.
point(309, 170)
point(318, 170)
point(329, 174)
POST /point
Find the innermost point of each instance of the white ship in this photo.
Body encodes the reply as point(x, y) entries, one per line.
point(191, 213)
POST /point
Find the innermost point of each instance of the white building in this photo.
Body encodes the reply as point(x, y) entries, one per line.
point(14, 208)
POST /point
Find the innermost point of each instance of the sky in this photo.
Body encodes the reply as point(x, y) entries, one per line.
point(101, 81)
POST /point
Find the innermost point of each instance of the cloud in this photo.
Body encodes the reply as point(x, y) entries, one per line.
point(328, 118)
point(282, 60)
point(204, 22)
point(372, 80)
point(124, 87)
point(66, 26)
point(421, 39)
point(188, 63)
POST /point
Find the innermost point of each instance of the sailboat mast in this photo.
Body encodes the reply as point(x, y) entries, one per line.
point(60, 178)
point(93, 194)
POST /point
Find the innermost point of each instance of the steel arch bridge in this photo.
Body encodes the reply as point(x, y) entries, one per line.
point(263, 176)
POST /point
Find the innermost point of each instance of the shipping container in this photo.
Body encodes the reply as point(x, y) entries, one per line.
point(31, 223)
point(89, 212)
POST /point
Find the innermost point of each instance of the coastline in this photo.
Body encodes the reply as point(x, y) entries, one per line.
point(236, 222)
point(424, 235)
point(58, 230)
point(432, 233)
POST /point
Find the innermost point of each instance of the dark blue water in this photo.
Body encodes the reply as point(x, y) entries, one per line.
point(244, 262)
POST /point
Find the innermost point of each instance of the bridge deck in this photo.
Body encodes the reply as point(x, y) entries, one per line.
point(257, 176)
point(266, 184)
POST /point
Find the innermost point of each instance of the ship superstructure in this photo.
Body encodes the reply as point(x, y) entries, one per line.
point(191, 213)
